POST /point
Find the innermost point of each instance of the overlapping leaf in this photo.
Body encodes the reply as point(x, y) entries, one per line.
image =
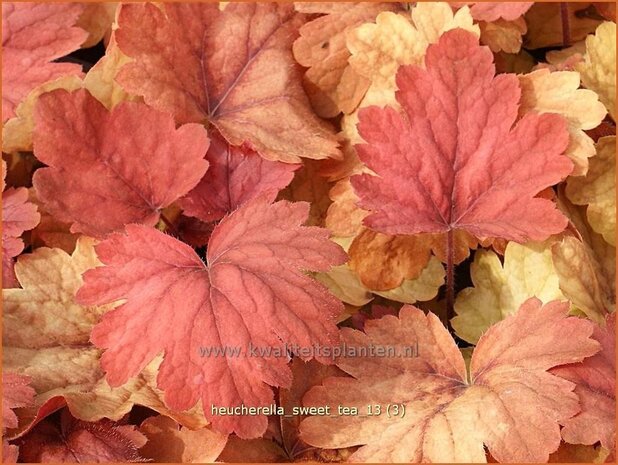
point(18, 215)
point(450, 414)
point(235, 175)
point(595, 381)
point(598, 190)
point(250, 89)
point(110, 168)
point(77, 441)
point(33, 35)
point(499, 289)
point(54, 349)
point(452, 159)
point(250, 292)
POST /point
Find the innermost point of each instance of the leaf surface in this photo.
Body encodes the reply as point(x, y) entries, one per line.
point(33, 35)
point(53, 349)
point(75, 441)
point(491, 11)
point(110, 168)
point(250, 292)
point(250, 89)
point(598, 71)
point(16, 392)
point(168, 442)
point(500, 288)
point(448, 161)
point(18, 215)
point(235, 175)
point(331, 83)
point(450, 414)
point(558, 92)
point(595, 381)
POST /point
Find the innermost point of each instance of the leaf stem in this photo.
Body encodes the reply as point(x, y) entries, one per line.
point(168, 224)
point(450, 279)
point(566, 24)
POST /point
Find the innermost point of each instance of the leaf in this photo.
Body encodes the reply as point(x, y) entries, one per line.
point(582, 279)
point(235, 175)
point(309, 185)
point(250, 90)
point(586, 267)
point(595, 381)
point(557, 92)
point(54, 349)
point(500, 289)
point(258, 450)
point(450, 414)
point(16, 392)
point(545, 25)
point(377, 50)
point(343, 217)
point(598, 190)
point(99, 181)
point(383, 262)
point(17, 131)
point(476, 174)
point(332, 85)
point(97, 19)
point(598, 71)
point(305, 375)
point(34, 35)
point(492, 11)
point(502, 35)
point(18, 215)
point(50, 232)
point(168, 442)
point(251, 290)
point(76, 441)
point(570, 453)
point(343, 282)
point(101, 78)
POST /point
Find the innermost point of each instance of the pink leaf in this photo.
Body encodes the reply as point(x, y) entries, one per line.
point(451, 159)
point(251, 290)
point(111, 168)
point(33, 35)
point(235, 176)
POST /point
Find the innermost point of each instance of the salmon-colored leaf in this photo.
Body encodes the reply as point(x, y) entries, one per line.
point(452, 159)
point(16, 392)
point(440, 412)
point(111, 168)
point(251, 292)
point(18, 215)
point(235, 175)
point(33, 35)
point(595, 381)
point(233, 68)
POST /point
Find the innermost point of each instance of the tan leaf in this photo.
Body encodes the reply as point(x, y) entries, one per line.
point(168, 442)
point(545, 24)
point(499, 289)
point(332, 85)
point(545, 92)
point(502, 35)
point(382, 262)
point(598, 189)
point(599, 67)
